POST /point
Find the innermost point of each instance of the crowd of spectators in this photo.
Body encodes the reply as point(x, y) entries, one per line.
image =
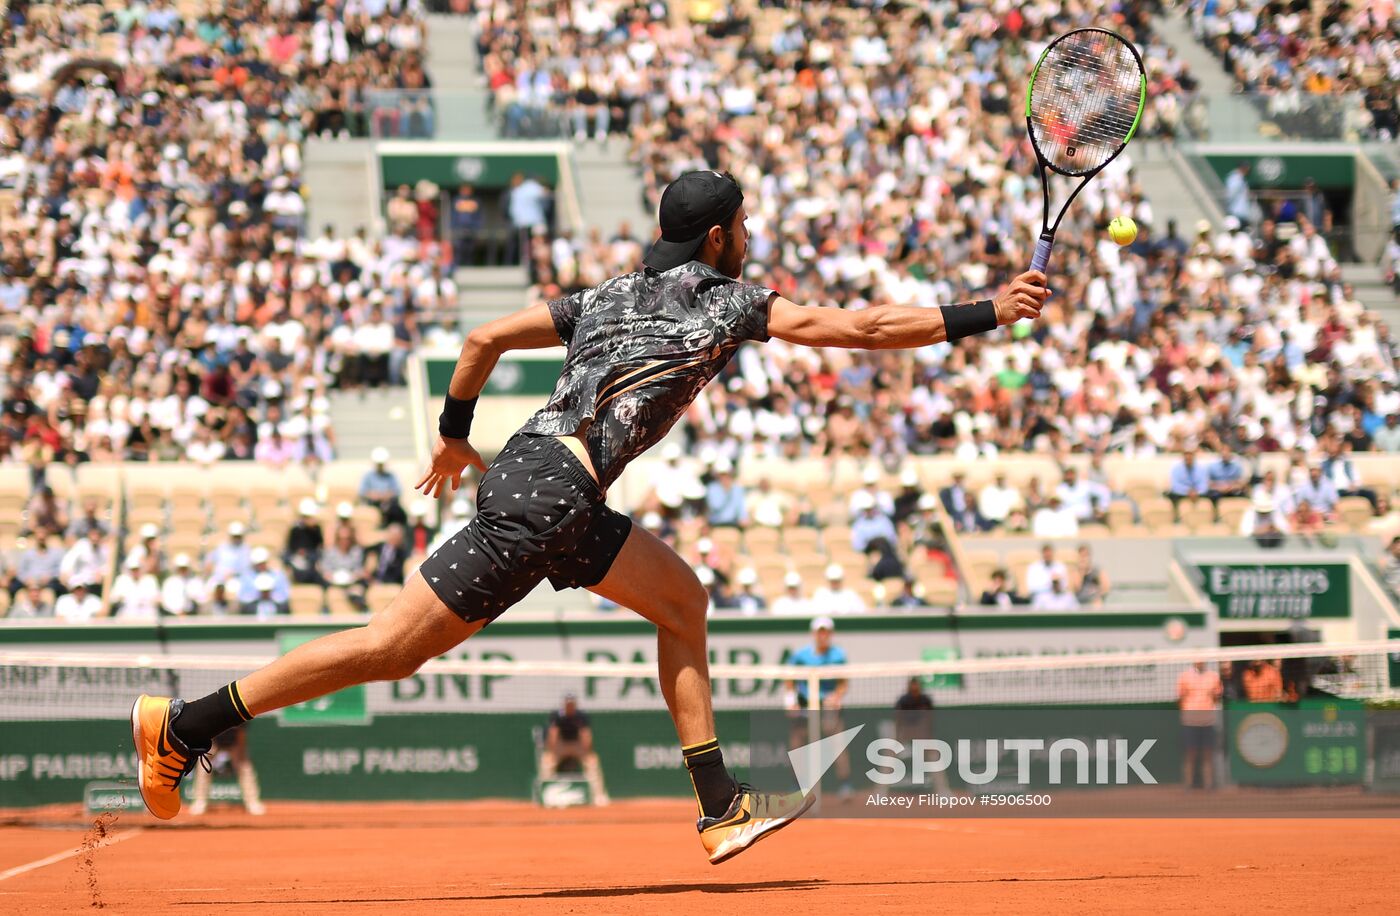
point(160, 298)
point(62, 565)
point(1329, 70)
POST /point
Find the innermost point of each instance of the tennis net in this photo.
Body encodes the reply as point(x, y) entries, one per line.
point(473, 728)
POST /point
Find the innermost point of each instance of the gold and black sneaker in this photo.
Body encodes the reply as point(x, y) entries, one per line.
point(162, 759)
point(751, 817)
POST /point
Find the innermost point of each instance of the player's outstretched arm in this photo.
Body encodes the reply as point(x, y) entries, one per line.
point(898, 327)
point(528, 329)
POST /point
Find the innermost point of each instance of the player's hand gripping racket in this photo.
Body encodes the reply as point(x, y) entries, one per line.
point(1083, 104)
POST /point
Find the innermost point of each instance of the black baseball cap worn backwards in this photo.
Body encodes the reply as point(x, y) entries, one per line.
point(690, 206)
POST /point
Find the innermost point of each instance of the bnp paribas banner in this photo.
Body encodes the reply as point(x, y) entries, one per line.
point(1286, 591)
point(47, 693)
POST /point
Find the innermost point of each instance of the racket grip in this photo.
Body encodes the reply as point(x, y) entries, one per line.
point(1042, 252)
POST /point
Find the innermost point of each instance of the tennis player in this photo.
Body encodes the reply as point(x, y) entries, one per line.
point(641, 347)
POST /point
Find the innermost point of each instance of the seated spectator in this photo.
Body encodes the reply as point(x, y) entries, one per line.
point(724, 499)
point(1279, 493)
point(304, 543)
point(381, 488)
point(149, 546)
point(136, 592)
point(420, 531)
point(260, 564)
point(1058, 598)
point(747, 598)
point(1001, 592)
point(1040, 573)
point(388, 557)
point(1319, 492)
point(768, 508)
point(87, 559)
point(1263, 682)
point(32, 601)
point(1091, 584)
point(39, 563)
point(1338, 468)
point(343, 564)
point(1263, 519)
point(87, 519)
point(1227, 474)
point(870, 487)
point(264, 603)
point(1307, 519)
point(1387, 438)
point(960, 505)
point(906, 502)
point(791, 602)
point(718, 595)
point(998, 501)
point(1189, 480)
point(884, 561)
point(1054, 520)
point(182, 592)
point(870, 524)
point(911, 595)
point(1082, 498)
point(231, 560)
point(221, 601)
point(836, 597)
point(79, 605)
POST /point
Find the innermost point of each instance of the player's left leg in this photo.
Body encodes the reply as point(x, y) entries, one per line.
point(648, 577)
point(171, 735)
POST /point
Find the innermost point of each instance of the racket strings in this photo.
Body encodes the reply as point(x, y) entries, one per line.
point(1085, 101)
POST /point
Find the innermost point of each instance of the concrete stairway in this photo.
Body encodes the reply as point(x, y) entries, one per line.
point(363, 422)
point(1229, 117)
point(1173, 187)
point(338, 184)
point(610, 190)
point(1374, 292)
point(457, 81)
point(487, 293)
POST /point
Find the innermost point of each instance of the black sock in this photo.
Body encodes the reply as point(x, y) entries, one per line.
point(714, 787)
point(202, 720)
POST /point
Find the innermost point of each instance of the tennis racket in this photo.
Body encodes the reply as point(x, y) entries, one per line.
point(1083, 105)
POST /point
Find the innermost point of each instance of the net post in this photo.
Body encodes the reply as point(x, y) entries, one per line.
point(814, 722)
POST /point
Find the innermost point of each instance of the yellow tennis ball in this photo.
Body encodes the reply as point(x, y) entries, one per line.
point(1122, 230)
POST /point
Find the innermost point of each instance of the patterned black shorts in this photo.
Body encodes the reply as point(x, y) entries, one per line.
point(539, 515)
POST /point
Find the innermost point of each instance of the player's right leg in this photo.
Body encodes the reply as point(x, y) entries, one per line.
point(648, 577)
point(416, 626)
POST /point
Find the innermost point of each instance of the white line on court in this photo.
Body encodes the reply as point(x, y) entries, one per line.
point(18, 870)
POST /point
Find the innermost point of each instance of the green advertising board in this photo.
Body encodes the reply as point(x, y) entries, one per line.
point(1284, 591)
point(517, 374)
point(1393, 658)
point(481, 168)
point(1313, 742)
point(344, 707)
point(1289, 170)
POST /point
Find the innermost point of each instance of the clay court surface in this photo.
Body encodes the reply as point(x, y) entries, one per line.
point(643, 857)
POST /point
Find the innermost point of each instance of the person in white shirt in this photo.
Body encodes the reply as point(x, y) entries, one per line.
point(1058, 598)
point(1040, 573)
point(768, 508)
point(182, 592)
point(1263, 517)
point(791, 602)
point(836, 597)
point(1054, 520)
point(870, 481)
point(1081, 497)
point(672, 478)
point(86, 559)
point(136, 593)
point(998, 500)
point(79, 605)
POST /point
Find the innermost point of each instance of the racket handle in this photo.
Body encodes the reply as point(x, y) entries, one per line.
point(1042, 252)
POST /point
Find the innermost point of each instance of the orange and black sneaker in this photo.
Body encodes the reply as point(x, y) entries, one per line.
point(751, 817)
point(162, 759)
